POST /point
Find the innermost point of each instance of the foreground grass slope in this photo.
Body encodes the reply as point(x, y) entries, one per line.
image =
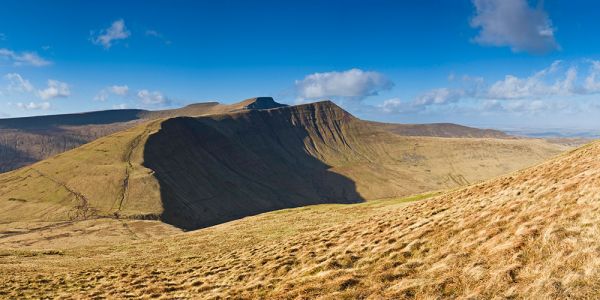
point(529, 234)
point(197, 172)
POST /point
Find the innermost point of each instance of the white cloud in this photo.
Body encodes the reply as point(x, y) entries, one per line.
point(513, 23)
point(102, 95)
point(17, 83)
point(391, 105)
point(117, 31)
point(153, 33)
point(34, 106)
point(554, 88)
point(23, 58)
point(152, 98)
point(55, 89)
point(119, 90)
point(158, 35)
point(591, 83)
point(353, 83)
point(120, 106)
point(537, 85)
point(525, 106)
point(439, 96)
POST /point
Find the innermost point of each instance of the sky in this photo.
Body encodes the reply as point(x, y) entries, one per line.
point(488, 63)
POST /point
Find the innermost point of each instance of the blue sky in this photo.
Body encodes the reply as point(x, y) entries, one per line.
point(490, 63)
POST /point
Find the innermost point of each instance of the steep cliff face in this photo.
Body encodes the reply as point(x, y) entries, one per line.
point(221, 168)
point(194, 172)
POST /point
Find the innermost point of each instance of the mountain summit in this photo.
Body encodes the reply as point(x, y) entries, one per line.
point(198, 171)
point(259, 103)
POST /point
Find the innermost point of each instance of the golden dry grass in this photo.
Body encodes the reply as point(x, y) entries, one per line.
point(72, 234)
point(530, 234)
point(110, 177)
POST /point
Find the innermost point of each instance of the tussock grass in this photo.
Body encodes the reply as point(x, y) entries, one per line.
point(530, 234)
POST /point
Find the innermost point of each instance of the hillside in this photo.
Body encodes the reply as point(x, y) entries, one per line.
point(24, 141)
point(529, 234)
point(201, 171)
point(442, 130)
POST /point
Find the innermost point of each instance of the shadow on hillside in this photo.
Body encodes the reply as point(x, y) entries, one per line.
point(214, 170)
point(13, 158)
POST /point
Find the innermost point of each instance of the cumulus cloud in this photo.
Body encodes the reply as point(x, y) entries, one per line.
point(393, 105)
point(541, 84)
point(117, 31)
point(158, 35)
point(554, 88)
point(23, 58)
point(515, 24)
point(34, 105)
point(353, 84)
point(527, 106)
point(439, 96)
point(120, 106)
point(55, 89)
point(152, 98)
point(101, 96)
point(119, 90)
point(17, 83)
point(592, 84)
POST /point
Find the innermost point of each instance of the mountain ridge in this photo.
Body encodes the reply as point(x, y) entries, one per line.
point(195, 172)
point(24, 141)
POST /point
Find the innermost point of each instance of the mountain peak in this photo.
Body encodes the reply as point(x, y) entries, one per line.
point(258, 103)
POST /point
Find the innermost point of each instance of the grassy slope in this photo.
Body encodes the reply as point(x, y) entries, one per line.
point(24, 141)
point(530, 234)
point(195, 172)
point(88, 181)
point(73, 234)
point(80, 267)
point(441, 130)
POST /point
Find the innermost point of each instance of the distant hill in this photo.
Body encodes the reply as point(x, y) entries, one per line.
point(442, 130)
point(24, 141)
point(194, 172)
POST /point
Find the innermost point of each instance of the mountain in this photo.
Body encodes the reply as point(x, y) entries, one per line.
point(531, 234)
point(193, 172)
point(24, 141)
point(442, 130)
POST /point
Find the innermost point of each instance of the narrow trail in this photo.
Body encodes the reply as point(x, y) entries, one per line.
point(83, 209)
point(126, 226)
point(6, 234)
point(128, 169)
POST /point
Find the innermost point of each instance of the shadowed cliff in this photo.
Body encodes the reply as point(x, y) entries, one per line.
point(194, 172)
point(215, 169)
